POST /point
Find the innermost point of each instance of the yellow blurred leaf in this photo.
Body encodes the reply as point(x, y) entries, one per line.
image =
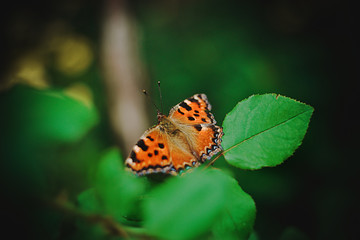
point(73, 54)
point(80, 92)
point(30, 70)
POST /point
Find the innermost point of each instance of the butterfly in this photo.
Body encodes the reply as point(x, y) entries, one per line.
point(184, 139)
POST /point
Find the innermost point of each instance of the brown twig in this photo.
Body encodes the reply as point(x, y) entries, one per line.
point(107, 223)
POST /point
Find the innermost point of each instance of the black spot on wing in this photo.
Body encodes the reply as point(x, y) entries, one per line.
point(133, 157)
point(161, 145)
point(203, 119)
point(194, 100)
point(184, 105)
point(179, 111)
point(214, 147)
point(198, 127)
point(141, 144)
point(164, 157)
point(156, 152)
point(217, 130)
point(203, 157)
point(150, 138)
point(191, 118)
point(209, 115)
point(214, 128)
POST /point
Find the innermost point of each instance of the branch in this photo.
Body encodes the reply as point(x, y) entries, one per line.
point(123, 74)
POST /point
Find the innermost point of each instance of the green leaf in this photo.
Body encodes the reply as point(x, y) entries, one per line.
point(117, 189)
point(238, 217)
point(264, 130)
point(189, 206)
point(184, 207)
point(89, 202)
point(35, 123)
point(49, 114)
point(60, 117)
point(254, 236)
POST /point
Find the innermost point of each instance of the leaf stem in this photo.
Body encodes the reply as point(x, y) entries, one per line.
point(216, 158)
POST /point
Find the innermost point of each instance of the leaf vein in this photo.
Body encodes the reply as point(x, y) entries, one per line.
point(283, 122)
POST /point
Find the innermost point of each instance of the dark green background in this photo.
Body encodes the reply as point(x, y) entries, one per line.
point(229, 50)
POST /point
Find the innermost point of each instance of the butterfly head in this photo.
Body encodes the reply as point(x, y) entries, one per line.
point(160, 116)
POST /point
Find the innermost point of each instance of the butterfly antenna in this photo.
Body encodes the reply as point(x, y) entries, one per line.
point(147, 95)
point(161, 101)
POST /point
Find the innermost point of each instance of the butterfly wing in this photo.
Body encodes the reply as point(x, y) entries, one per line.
point(192, 111)
point(181, 154)
point(205, 140)
point(194, 119)
point(157, 152)
point(197, 138)
point(150, 154)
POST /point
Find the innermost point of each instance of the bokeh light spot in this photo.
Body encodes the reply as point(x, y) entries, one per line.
point(30, 70)
point(73, 54)
point(80, 92)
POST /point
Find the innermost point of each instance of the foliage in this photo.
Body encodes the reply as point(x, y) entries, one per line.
point(264, 130)
point(260, 131)
point(51, 145)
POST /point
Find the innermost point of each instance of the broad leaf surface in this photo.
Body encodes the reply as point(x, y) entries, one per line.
point(48, 115)
point(238, 216)
point(186, 207)
point(117, 189)
point(264, 130)
point(88, 201)
point(35, 123)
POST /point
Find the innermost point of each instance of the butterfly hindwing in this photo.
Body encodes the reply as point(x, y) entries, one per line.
point(181, 158)
point(207, 142)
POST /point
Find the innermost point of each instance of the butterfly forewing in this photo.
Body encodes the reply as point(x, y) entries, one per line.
point(150, 154)
point(194, 110)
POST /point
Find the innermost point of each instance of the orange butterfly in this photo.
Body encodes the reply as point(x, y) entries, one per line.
point(186, 138)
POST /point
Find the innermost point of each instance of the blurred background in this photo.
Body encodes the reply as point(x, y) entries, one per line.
point(72, 72)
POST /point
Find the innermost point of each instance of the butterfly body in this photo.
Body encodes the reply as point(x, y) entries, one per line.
point(185, 138)
point(167, 126)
